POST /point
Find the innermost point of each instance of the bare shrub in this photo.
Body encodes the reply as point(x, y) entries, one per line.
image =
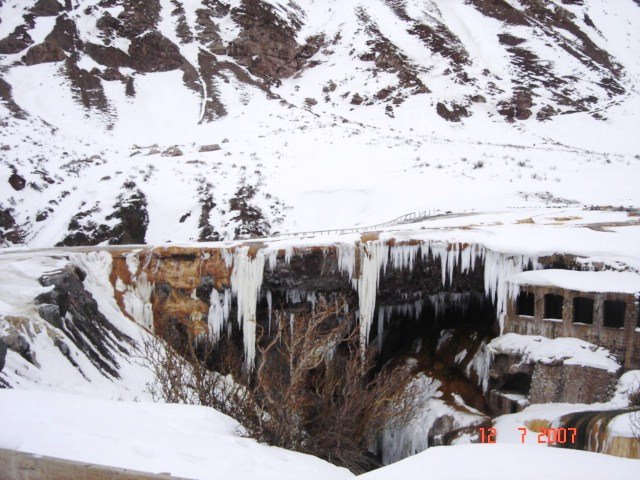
point(634, 400)
point(311, 391)
point(181, 374)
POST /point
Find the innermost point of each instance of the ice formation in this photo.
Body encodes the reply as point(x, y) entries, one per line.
point(373, 258)
point(246, 282)
point(364, 264)
point(219, 306)
point(414, 436)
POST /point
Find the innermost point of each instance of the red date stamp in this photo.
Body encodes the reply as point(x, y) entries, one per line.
point(550, 436)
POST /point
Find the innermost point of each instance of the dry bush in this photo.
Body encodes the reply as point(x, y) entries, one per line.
point(314, 392)
point(181, 373)
point(311, 391)
point(634, 400)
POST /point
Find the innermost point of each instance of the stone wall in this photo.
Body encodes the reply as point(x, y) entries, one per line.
point(622, 342)
point(571, 384)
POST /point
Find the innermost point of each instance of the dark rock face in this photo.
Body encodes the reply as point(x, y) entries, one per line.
point(250, 218)
point(154, 53)
point(17, 182)
point(3, 354)
point(7, 97)
point(16, 41)
point(518, 108)
point(207, 232)
point(453, 113)
point(138, 17)
point(9, 231)
point(51, 314)
point(62, 42)
point(46, 8)
point(17, 343)
point(70, 308)
point(131, 212)
point(267, 43)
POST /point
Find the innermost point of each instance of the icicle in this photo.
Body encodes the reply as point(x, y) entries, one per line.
point(374, 256)
point(312, 298)
point(227, 256)
point(216, 318)
point(346, 259)
point(480, 364)
point(272, 260)
point(403, 257)
point(497, 270)
point(288, 253)
point(269, 303)
point(246, 281)
point(294, 296)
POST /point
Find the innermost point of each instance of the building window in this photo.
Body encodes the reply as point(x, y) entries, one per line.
point(526, 304)
point(553, 306)
point(583, 310)
point(614, 313)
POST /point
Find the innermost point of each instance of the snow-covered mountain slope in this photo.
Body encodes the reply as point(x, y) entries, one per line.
point(146, 122)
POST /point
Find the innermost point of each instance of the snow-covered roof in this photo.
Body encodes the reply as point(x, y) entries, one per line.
point(619, 282)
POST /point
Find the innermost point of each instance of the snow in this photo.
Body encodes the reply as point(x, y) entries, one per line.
point(571, 351)
point(504, 461)
point(187, 441)
point(619, 282)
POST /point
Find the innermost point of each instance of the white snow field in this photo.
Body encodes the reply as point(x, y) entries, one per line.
point(186, 441)
point(507, 462)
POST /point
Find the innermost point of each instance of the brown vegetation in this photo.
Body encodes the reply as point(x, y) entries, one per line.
point(311, 390)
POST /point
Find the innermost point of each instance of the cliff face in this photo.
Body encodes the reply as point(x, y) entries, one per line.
point(399, 291)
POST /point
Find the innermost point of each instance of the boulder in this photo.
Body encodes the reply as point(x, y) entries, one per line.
point(357, 99)
point(17, 182)
point(172, 152)
point(209, 148)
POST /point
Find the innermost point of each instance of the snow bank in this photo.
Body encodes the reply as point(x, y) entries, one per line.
point(570, 351)
point(187, 441)
point(508, 462)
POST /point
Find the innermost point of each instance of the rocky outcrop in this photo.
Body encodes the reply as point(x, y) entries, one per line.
point(62, 42)
point(250, 219)
point(46, 8)
point(266, 44)
point(153, 52)
point(453, 113)
point(129, 214)
point(71, 309)
point(10, 233)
